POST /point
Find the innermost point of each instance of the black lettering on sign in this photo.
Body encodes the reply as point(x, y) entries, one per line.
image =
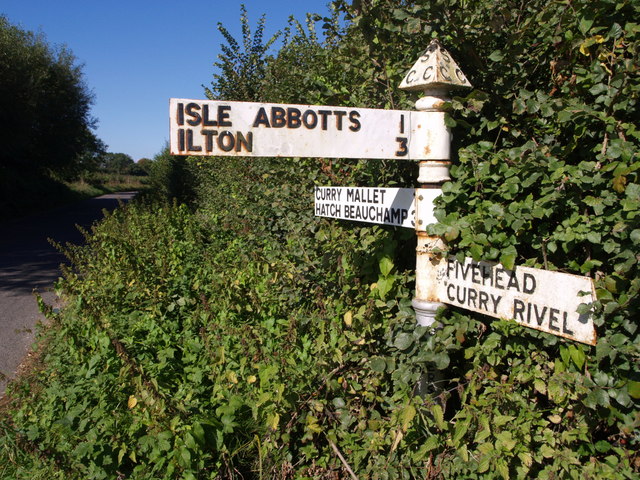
point(180, 116)
point(473, 294)
point(483, 301)
point(190, 146)
point(426, 75)
point(529, 283)
point(564, 324)
point(450, 295)
point(402, 124)
point(403, 149)
point(355, 123)
point(208, 142)
point(206, 121)
point(498, 281)
point(246, 142)
point(518, 310)
point(513, 281)
point(222, 119)
point(324, 114)
point(339, 114)
point(192, 111)
point(223, 116)
point(181, 139)
point(278, 117)
point(553, 318)
point(310, 119)
point(293, 118)
point(475, 273)
point(261, 119)
point(226, 141)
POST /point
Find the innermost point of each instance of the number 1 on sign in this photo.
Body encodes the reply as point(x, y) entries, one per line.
point(403, 149)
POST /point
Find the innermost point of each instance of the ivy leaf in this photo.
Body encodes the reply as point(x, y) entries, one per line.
point(403, 341)
point(577, 355)
point(633, 388)
point(378, 364)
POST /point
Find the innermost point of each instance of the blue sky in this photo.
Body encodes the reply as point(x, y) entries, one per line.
point(139, 53)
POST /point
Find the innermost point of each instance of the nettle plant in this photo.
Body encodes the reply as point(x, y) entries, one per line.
point(245, 338)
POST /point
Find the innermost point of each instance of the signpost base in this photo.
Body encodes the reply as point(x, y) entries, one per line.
point(425, 311)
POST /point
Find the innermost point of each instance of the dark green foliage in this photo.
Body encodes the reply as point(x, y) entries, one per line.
point(45, 124)
point(250, 339)
point(170, 177)
point(44, 120)
point(116, 163)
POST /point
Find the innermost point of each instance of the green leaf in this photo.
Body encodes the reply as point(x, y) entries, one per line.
point(502, 468)
point(378, 364)
point(508, 260)
point(461, 428)
point(406, 416)
point(496, 56)
point(577, 355)
point(438, 416)
point(403, 341)
point(633, 388)
point(386, 265)
point(585, 25)
point(484, 463)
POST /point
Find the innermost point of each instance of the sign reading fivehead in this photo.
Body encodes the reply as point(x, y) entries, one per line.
point(541, 299)
point(218, 128)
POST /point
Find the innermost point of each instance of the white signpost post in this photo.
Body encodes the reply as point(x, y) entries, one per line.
point(547, 301)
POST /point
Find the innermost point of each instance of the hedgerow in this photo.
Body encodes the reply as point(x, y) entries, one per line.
point(241, 337)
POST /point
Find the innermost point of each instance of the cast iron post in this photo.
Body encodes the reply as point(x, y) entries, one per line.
point(435, 74)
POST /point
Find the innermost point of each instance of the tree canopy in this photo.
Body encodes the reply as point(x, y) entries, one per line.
point(45, 121)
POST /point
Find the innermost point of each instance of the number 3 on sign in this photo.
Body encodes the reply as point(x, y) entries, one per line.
point(402, 141)
point(402, 144)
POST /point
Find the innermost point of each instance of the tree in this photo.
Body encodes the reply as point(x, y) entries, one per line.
point(45, 122)
point(119, 163)
point(242, 67)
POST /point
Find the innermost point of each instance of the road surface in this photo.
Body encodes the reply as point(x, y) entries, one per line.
point(27, 262)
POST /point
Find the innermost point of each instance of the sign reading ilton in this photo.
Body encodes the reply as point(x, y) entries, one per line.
point(219, 128)
point(540, 299)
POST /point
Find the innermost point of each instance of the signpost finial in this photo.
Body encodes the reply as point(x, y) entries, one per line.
point(435, 69)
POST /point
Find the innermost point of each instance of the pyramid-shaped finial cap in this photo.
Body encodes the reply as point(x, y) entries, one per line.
point(435, 68)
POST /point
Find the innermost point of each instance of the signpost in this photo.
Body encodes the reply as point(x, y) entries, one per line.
point(540, 299)
point(402, 207)
point(206, 127)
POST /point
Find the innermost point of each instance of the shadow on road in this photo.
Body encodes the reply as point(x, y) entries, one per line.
point(28, 262)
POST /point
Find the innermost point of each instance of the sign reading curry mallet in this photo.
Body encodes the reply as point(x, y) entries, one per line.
point(541, 299)
point(219, 128)
point(402, 207)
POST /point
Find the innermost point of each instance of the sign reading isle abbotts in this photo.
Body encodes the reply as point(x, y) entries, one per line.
point(402, 207)
point(219, 128)
point(540, 299)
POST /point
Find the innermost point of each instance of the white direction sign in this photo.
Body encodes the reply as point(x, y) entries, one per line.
point(220, 128)
point(540, 299)
point(402, 207)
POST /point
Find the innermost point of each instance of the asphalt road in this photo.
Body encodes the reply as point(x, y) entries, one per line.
point(27, 262)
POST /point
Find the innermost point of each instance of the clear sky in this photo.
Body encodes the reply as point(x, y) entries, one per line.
point(139, 53)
